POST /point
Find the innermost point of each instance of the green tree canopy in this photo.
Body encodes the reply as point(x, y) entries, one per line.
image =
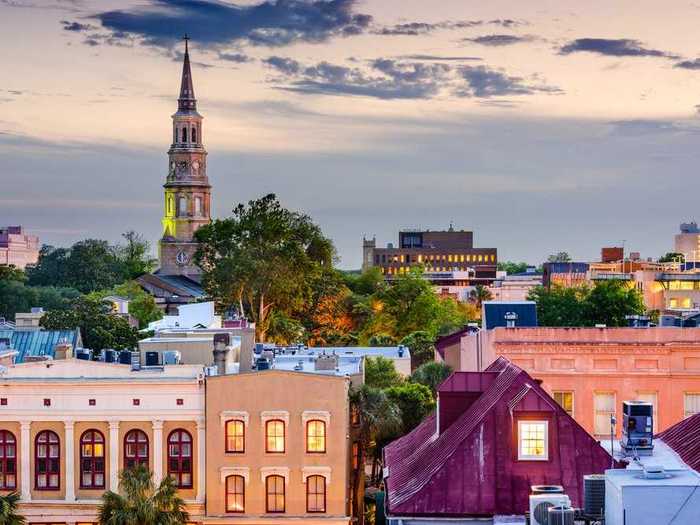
point(17, 297)
point(671, 257)
point(511, 267)
point(422, 347)
point(559, 257)
point(135, 255)
point(381, 373)
point(99, 329)
point(431, 375)
point(415, 401)
point(262, 259)
point(9, 513)
point(142, 305)
point(140, 502)
point(12, 273)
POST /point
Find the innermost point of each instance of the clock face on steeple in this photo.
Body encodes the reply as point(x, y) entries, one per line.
point(182, 258)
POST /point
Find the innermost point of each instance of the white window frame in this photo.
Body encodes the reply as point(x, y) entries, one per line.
point(687, 414)
point(524, 457)
point(609, 413)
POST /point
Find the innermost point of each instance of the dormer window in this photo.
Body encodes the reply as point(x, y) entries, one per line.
point(533, 440)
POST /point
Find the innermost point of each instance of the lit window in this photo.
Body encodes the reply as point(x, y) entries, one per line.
point(604, 403)
point(461, 258)
point(315, 494)
point(235, 436)
point(691, 402)
point(566, 401)
point(8, 460)
point(316, 436)
point(449, 258)
point(235, 494)
point(135, 449)
point(673, 303)
point(420, 258)
point(274, 489)
point(532, 440)
point(180, 458)
point(92, 460)
point(47, 461)
point(274, 434)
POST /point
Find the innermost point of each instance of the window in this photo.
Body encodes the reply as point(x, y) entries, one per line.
point(180, 458)
point(135, 449)
point(47, 461)
point(235, 436)
point(47, 402)
point(92, 460)
point(274, 433)
point(235, 494)
point(604, 403)
point(198, 206)
point(184, 134)
point(92, 402)
point(650, 397)
point(315, 494)
point(3, 401)
point(8, 461)
point(274, 488)
point(136, 402)
point(356, 455)
point(316, 436)
point(194, 135)
point(566, 401)
point(691, 402)
point(182, 206)
point(533, 440)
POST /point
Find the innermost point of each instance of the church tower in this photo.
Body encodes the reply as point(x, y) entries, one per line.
point(187, 189)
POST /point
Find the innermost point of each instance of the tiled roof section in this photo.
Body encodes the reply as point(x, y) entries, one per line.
point(175, 284)
point(412, 473)
point(684, 439)
point(39, 342)
point(495, 311)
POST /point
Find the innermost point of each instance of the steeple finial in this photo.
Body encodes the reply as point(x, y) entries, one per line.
point(186, 101)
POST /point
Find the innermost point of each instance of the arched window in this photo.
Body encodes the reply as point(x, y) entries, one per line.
point(274, 436)
point(184, 134)
point(47, 461)
point(274, 489)
point(235, 494)
point(182, 206)
point(198, 206)
point(175, 135)
point(180, 458)
point(235, 436)
point(194, 135)
point(316, 436)
point(92, 460)
point(135, 449)
point(171, 207)
point(8, 460)
point(315, 494)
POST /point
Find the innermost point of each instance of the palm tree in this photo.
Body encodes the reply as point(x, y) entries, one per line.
point(480, 294)
point(8, 510)
point(379, 422)
point(140, 502)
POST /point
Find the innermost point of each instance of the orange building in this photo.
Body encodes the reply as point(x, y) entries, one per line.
point(590, 371)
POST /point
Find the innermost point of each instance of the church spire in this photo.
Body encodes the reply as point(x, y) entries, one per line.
point(186, 101)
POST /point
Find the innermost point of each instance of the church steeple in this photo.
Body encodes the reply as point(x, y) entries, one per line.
point(186, 102)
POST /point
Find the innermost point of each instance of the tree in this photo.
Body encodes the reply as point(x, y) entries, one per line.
point(379, 421)
point(142, 305)
point(559, 305)
point(140, 502)
point(12, 273)
point(8, 510)
point(511, 267)
point(479, 294)
point(135, 255)
point(17, 297)
point(431, 375)
point(422, 347)
point(99, 328)
point(381, 340)
point(559, 257)
point(262, 259)
point(672, 257)
point(381, 373)
point(415, 402)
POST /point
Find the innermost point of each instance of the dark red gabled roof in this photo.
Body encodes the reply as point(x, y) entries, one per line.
point(468, 468)
point(684, 439)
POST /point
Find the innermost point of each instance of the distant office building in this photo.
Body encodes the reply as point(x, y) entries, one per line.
point(564, 274)
point(449, 257)
point(612, 254)
point(515, 287)
point(18, 248)
point(687, 241)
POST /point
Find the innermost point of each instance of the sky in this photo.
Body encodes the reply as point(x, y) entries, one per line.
point(543, 126)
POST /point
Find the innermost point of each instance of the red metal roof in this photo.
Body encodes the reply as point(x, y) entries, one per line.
point(470, 469)
point(684, 439)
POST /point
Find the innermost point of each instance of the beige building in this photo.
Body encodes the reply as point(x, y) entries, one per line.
point(18, 248)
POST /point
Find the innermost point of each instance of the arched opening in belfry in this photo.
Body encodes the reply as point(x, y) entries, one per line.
point(182, 207)
point(194, 135)
point(184, 134)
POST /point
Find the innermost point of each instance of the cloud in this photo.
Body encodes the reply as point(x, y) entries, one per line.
point(385, 78)
point(620, 47)
point(238, 58)
point(76, 26)
point(422, 28)
point(483, 82)
point(212, 23)
point(635, 128)
point(439, 58)
point(689, 64)
point(499, 40)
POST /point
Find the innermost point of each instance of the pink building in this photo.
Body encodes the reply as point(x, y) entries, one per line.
point(591, 371)
point(18, 248)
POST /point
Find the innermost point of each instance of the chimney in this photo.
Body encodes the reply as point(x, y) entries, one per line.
point(221, 351)
point(63, 350)
point(245, 358)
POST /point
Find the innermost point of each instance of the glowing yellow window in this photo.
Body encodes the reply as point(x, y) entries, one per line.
point(481, 258)
point(566, 401)
point(533, 441)
point(449, 258)
point(686, 302)
point(420, 258)
point(461, 258)
point(316, 436)
point(673, 303)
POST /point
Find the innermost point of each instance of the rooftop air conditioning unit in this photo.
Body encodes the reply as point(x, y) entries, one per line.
point(540, 504)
